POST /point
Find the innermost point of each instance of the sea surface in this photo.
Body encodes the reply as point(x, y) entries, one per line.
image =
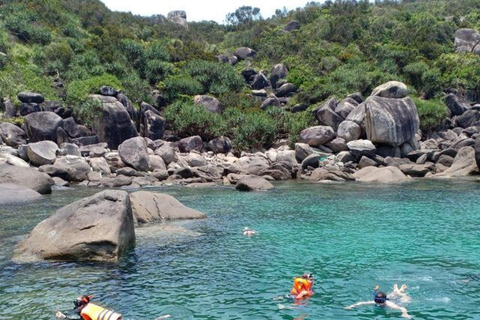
point(352, 236)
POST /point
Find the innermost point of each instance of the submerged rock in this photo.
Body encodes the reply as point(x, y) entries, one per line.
point(97, 228)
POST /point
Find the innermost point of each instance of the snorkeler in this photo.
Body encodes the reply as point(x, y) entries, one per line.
point(302, 286)
point(86, 310)
point(248, 232)
point(380, 299)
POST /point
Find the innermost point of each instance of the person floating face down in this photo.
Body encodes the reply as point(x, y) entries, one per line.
point(380, 299)
point(302, 287)
point(86, 310)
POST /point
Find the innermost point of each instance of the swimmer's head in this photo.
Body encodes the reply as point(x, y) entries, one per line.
point(246, 229)
point(380, 297)
point(308, 276)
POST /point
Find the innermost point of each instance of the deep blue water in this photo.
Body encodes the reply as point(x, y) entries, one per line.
point(351, 236)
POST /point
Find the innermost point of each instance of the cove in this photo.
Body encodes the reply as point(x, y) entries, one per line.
point(351, 236)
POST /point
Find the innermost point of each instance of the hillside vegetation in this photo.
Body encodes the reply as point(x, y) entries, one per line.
point(67, 49)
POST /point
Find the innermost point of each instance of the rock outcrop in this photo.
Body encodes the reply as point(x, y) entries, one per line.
point(97, 228)
point(151, 207)
point(27, 177)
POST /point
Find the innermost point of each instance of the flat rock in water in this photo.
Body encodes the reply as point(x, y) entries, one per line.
point(254, 183)
point(149, 207)
point(12, 193)
point(97, 228)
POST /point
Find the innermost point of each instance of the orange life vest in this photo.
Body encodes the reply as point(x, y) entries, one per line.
point(300, 284)
point(93, 312)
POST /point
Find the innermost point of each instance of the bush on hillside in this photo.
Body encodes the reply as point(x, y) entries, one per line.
point(431, 113)
point(78, 90)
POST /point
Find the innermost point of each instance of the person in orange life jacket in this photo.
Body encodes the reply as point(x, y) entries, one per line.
point(85, 310)
point(302, 286)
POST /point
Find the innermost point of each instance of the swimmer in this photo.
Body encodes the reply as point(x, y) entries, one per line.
point(380, 300)
point(399, 294)
point(248, 232)
point(302, 287)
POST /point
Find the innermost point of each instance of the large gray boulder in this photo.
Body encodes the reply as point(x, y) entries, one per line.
point(302, 150)
point(380, 175)
point(27, 177)
point(134, 153)
point(469, 118)
point(279, 71)
point(8, 107)
point(114, 124)
point(322, 174)
point(243, 53)
point(153, 125)
point(361, 148)
point(464, 164)
point(150, 207)
point(43, 152)
point(220, 145)
point(14, 194)
point(349, 131)
point(30, 97)
point(12, 135)
point(209, 103)
point(77, 168)
point(43, 125)
point(346, 106)
point(391, 89)
point(190, 143)
point(253, 183)
point(178, 17)
point(326, 114)
point(391, 121)
point(467, 40)
point(13, 160)
point(456, 105)
point(317, 136)
point(97, 228)
point(167, 152)
point(286, 89)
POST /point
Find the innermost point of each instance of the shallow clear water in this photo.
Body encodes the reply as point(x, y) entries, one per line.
point(351, 236)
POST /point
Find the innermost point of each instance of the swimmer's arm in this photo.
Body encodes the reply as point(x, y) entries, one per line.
point(396, 307)
point(362, 303)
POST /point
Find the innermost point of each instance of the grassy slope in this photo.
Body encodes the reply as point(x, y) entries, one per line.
point(341, 48)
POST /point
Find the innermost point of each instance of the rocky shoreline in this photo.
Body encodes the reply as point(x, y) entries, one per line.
point(375, 140)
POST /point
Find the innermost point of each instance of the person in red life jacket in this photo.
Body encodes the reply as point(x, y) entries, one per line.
point(302, 287)
point(86, 310)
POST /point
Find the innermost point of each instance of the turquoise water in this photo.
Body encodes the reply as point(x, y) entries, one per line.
point(351, 236)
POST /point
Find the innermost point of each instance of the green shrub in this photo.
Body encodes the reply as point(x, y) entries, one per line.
point(158, 70)
point(78, 90)
point(215, 78)
point(188, 120)
point(431, 113)
point(249, 128)
point(87, 111)
point(175, 86)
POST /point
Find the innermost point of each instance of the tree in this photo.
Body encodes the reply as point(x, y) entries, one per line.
point(243, 15)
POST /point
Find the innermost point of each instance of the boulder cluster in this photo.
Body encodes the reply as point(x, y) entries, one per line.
point(100, 227)
point(127, 147)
